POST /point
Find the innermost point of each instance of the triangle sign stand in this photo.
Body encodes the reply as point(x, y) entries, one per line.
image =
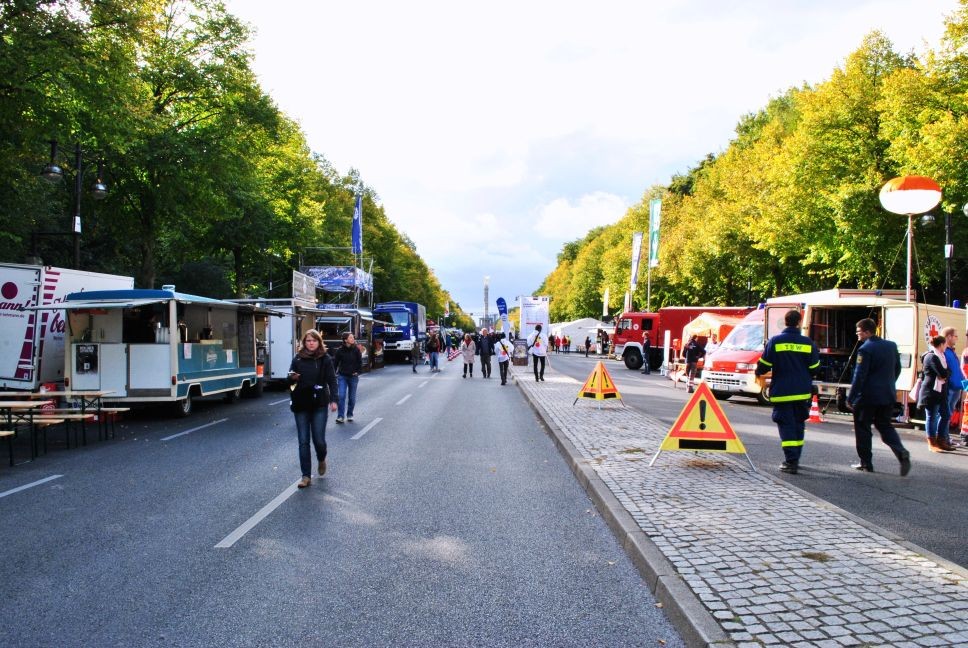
point(599, 386)
point(702, 425)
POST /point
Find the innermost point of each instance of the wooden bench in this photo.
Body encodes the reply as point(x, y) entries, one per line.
point(102, 420)
point(40, 424)
point(72, 414)
point(8, 435)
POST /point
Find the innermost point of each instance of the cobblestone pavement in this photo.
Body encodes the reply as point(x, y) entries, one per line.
point(771, 565)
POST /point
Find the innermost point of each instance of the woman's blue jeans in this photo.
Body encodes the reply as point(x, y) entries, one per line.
point(311, 424)
point(936, 418)
point(346, 400)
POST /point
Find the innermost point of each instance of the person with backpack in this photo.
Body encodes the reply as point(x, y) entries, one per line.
point(538, 348)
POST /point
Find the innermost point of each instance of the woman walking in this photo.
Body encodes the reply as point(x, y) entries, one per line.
point(312, 382)
point(468, 349)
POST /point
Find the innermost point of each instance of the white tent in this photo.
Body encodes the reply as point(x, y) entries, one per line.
point(578, 330)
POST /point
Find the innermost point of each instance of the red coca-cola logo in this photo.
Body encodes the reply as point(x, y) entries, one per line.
point(9, 290)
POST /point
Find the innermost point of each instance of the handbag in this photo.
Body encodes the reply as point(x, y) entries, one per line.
point(915, 391)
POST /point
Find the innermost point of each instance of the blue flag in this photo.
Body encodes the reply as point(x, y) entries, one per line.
point(358, 225)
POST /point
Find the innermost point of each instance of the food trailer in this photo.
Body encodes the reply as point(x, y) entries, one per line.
point(161, 346)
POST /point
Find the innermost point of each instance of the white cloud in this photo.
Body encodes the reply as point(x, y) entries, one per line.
point(561, 220)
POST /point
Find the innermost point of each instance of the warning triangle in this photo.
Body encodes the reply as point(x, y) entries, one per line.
point(599, 385)
point(702, 425)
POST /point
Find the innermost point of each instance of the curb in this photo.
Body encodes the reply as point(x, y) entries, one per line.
point(684, 610)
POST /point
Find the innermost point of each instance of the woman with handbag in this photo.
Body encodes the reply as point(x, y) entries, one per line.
point(312, 381)
point(934, 395)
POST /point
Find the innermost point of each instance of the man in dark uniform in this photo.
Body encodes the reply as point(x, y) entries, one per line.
point(647, 352)
point(793, 358)
point(873, 395)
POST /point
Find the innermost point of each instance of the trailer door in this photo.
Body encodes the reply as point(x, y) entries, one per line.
point(900, 326)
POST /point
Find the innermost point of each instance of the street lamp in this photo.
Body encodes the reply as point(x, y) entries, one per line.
point(53, 173)
point(949, 248)
point(909, 196)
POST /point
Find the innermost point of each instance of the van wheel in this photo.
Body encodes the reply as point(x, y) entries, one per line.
point(182, 408)
point(633, 359)
point(254, 391)
point(232, 396)
point(763, 398)
point(721, 395)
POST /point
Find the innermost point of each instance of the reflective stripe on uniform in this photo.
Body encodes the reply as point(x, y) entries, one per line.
point(814, 365)
point(768, 364)
point(789, 397)
point(793, 346)
point(791, 444)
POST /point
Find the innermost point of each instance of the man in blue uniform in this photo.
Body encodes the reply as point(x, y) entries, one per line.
point(792, 358)
point(873, 395)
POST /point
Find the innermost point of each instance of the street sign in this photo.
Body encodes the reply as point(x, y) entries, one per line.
point(599, 385)
point(702, 426)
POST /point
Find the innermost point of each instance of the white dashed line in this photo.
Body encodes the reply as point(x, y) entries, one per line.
point(422, 384)
point(264, 512)
point(30, 485)
point(284, 400)
point(366, 429)
point(194, 429)
point(404, 399)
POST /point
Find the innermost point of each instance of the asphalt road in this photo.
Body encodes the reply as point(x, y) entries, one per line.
point(926, 507)
point(447, 518)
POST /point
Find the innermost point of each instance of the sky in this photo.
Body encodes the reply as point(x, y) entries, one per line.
point(494, 133)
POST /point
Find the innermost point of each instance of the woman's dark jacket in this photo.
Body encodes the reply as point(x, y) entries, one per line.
point(313, 372)
point(932, 371)
point(348, 360)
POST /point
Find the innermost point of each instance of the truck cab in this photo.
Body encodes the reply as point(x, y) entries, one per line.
point(402, 326)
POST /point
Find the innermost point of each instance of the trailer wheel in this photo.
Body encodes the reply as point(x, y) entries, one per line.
point(633, 359)
point(182, 408)
point(721, 395)
point(763, 398)
point(232, 396)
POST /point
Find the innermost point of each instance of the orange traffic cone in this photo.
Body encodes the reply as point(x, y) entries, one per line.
point(815, 411)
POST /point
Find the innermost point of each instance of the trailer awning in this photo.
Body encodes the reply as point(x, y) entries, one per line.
point(98, 304)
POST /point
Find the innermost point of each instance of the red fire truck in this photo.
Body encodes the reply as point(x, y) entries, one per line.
point(630, 330)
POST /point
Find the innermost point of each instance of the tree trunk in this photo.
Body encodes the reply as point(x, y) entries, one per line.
point(239, 279)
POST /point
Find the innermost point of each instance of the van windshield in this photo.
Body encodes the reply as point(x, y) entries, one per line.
point(745, 337)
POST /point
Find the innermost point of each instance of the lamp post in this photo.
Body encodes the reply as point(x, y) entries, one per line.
point(949, 253)
point(909, 196)
point(53, 173)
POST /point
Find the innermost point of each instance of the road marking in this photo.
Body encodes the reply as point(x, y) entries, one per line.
point(366, 429)
point(404, 399)
point(30, 485)
point(422, 384)
point(247, 526)
point(194, 429)
point(284, 400)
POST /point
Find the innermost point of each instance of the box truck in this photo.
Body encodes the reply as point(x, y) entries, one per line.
point(829, 319)
point(32, 341)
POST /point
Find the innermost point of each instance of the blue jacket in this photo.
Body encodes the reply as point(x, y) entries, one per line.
point(954, 366)
point(793, 358)
point(875, 374)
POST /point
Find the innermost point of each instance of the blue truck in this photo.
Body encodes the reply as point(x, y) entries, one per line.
point(403, 328)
